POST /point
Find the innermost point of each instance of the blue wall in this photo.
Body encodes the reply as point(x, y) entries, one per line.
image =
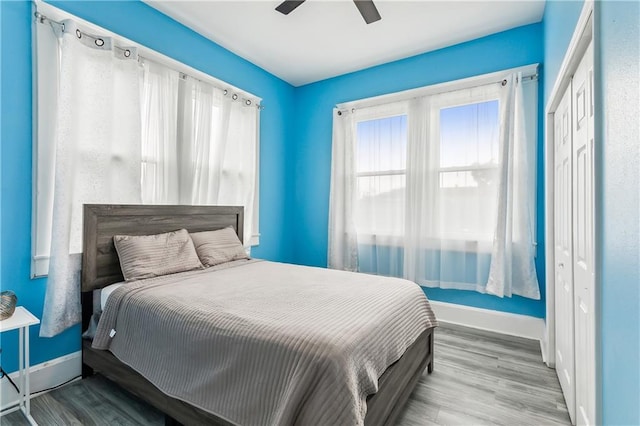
point(559, 21)
point(314, 106)
point(16, 186)
point(145, 25)
point(617, 26)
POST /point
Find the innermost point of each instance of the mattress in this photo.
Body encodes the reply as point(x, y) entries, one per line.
point(258, 342)
point(106, 292)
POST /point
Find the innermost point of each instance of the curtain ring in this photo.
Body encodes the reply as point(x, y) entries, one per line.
point(504, 82)
point(78, 34)
point(225, 92)
point(63, 27)
point(339, 112)
point(127, 53)
point(234, 97)
point(247, 102)
point(353, 110)
point(99, 42)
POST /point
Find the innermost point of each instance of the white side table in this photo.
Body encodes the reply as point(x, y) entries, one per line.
point(22, 320)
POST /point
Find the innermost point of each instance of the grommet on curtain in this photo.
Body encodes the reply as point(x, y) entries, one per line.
point(504, 82)
point(78, 34)
point(127, 53)
point(247, 102)
point(234, 97)
point(339, 112)
point(225, 92)
point(99, 42)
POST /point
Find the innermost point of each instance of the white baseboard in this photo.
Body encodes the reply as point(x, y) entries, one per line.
point(547, 356)
point(486, 319)
point(543, 349)
point(43, 376)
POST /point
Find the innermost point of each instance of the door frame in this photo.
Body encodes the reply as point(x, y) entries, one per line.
point(583, 34)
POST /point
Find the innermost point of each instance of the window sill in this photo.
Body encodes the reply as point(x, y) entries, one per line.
point(254, 240)
point(471, 246)
point(39, 266)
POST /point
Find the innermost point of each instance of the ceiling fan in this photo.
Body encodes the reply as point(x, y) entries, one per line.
point(367, 9)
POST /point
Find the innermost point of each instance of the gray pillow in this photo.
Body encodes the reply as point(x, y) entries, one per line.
point(216, 247)
point(147, 256)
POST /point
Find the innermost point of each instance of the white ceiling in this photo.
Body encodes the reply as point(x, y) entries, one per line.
point(326, 38)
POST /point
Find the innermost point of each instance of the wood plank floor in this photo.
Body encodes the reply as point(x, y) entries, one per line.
point(483, 378)
point(479, 378)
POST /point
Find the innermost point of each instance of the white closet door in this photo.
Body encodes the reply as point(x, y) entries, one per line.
point(583, 235)
point(563, 224)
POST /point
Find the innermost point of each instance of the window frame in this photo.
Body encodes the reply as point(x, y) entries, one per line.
point(370, 114)
point(363, 108)
point(458, 98)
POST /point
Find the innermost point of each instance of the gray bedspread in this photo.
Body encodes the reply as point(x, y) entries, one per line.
point(264, 343)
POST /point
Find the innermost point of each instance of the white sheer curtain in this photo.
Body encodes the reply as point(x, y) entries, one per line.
point(159, 108)
point(239, 170)
point(199, 144)
point(203, 142)
point(381, 157)
point(366, 226)
point(97, 155)
point(512, 258)
point(451, 188)
point(437, 189)
point(343, 241)
point(218, 149)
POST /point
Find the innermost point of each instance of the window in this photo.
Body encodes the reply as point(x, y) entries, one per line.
point(467, 151)
point(468, 168)
point(175, 153)
point(380, 169)
point(468, 144)
point(437, 185)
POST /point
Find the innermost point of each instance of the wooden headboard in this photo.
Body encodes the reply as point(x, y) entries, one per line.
point(100, 263)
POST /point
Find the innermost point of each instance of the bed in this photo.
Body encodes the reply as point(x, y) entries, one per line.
point(101, 268)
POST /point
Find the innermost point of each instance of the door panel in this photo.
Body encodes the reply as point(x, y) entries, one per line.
point(564, 251)
point(583, 241)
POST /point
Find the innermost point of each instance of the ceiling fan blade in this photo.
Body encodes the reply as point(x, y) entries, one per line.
point(368, 10)
point(286, 7)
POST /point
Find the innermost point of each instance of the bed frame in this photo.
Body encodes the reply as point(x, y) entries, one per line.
point(101, 267)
